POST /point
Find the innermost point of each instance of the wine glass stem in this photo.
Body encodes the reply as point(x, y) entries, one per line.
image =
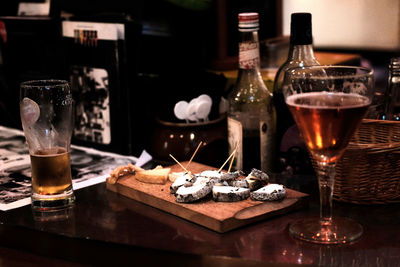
point(326, 182)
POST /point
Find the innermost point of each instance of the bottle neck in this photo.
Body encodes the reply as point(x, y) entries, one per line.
point(301, 52)
point(392, 94)
point(249, 51)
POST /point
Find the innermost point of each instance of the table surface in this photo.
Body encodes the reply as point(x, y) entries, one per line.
point(106, 228)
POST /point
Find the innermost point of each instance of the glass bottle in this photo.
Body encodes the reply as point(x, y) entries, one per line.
point(392, 109)
point(251, 113)
point(291, 152)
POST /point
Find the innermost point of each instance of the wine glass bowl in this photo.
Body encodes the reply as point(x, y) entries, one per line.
point(327, 104)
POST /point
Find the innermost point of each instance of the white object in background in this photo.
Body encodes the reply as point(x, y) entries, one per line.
point(34, 9)
point(104, 31)
point(197, 109)
point(203, 108)
point(192, 110)
point(143, 158)
point(204, 103)
point(180, 110)
point(360, 24)
point(205, 98)
point(223, 105)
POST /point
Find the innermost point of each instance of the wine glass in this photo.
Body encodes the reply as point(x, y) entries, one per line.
point(327, 104)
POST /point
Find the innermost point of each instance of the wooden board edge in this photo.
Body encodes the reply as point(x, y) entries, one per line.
point(166, 206)
point(234, 223)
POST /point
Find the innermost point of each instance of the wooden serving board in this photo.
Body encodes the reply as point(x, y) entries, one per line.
point(218, 216)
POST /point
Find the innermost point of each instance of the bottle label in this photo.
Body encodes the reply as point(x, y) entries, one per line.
point(249, 55)
point(235, 138)
point(266, 143)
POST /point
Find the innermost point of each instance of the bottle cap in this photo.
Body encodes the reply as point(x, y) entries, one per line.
point(300, 29)
point(248, 21)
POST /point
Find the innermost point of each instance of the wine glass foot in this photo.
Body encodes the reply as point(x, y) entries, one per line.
point(339, 231)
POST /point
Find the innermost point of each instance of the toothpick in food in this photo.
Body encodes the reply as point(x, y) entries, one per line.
point(230, 156)
point(179, 163)
point(233, 157)
point(190, 161)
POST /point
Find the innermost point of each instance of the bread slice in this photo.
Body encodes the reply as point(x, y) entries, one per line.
point(121, 171)
point(154, 176)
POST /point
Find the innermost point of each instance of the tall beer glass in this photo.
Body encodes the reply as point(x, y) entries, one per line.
point(46, 109)
point(327, 104)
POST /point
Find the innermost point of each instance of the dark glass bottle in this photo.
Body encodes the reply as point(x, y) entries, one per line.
point(392, 107)
point(291, 152)
point(251, 112)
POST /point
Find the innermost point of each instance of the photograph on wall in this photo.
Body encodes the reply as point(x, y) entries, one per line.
point(92, 104)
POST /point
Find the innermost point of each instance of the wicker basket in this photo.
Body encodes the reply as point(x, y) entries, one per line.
point(369, 171)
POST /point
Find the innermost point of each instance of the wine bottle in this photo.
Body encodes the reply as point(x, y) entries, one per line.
point(250, 116)
point(291, 152)
point(392, 107)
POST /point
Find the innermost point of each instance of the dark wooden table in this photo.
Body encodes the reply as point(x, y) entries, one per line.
point(105, 228)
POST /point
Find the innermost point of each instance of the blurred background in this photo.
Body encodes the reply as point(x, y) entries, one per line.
point(167, 51)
